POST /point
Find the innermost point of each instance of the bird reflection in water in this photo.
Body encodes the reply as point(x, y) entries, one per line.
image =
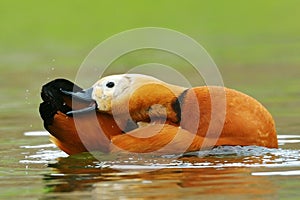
point(158, 177)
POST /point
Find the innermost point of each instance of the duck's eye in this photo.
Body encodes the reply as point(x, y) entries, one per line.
point(110, 84)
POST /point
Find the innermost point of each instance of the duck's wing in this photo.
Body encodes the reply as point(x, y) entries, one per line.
point(54, 100)
point(74, 134)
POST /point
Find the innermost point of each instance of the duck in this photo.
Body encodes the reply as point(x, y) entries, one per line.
point(138, 113)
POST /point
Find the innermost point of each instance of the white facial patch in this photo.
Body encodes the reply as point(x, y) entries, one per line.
point(116, 90)
point(108, 88)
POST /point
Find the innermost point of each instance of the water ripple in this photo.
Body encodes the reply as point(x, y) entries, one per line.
point(219, 157)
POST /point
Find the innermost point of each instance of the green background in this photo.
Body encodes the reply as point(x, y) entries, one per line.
point(233, 32)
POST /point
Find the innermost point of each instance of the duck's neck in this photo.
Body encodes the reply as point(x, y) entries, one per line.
point(156, 102)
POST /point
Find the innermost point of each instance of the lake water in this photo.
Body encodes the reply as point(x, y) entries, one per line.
point(33, 168)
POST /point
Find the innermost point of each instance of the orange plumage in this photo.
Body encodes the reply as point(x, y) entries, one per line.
point(178, 118)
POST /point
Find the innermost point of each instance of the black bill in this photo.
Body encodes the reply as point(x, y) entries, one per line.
point(84, 96)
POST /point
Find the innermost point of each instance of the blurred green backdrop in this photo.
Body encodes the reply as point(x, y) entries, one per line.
point(256, 44)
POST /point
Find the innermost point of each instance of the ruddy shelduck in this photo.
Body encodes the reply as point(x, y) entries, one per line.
point(141, 114)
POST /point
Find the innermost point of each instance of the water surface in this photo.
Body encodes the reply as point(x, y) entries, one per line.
point(225, 172)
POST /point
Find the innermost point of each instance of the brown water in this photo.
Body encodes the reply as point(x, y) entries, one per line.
point(32, 168)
